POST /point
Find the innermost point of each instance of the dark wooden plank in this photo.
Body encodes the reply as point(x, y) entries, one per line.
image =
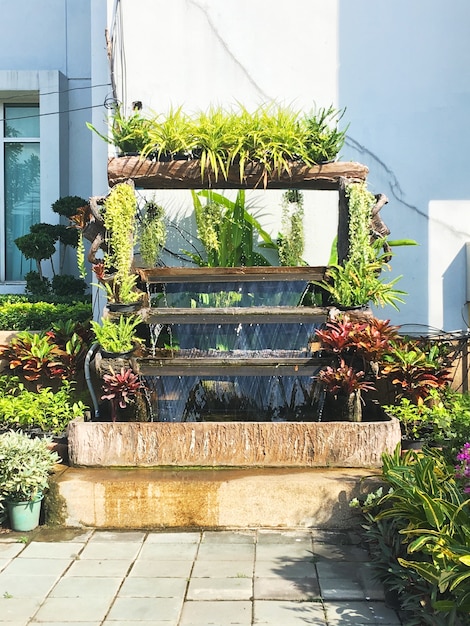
point(342, 244)
point(229, 274)
point(233, 315)
point(229, 367)
point(148, 174)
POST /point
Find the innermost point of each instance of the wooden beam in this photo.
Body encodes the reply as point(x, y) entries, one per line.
point(229, 367)
point(234, 315)
point(148, 174)
point(229, 274)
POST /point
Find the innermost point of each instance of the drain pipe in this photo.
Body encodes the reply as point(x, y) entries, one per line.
point(88, 357)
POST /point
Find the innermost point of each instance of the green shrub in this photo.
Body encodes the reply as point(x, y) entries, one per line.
point(17, 313)
point(419, 537)
point(49, 411)
point(68, 285)
point(25, 467)
point(36, 285)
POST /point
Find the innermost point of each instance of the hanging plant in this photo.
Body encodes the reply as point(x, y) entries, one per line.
point(153, 233)
point(119, 218)
point(291, 240)
point(360, 202)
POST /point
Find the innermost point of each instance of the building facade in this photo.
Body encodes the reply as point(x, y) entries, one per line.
point(401, 74)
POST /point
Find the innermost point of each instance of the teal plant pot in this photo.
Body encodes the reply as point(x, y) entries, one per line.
point(24, 516)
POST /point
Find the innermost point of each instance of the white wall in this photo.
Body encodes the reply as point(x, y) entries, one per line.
point(404, 77)
point(401, 71)
point(197, 52)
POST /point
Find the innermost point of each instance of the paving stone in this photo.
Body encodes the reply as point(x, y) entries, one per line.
point(161, 569)
point(37, 567)
point(113, 568)
point(17, 609)
point(145, 609)
point(222, 569)
point(88, 609)
point(334, 537)
point(155, 622)
point(25, 586)
point(277, 613)
point(339, 552)
point(226, 552)
point(373, 588)
point(284, 569)
point(118, 536)
point(63, 535)
point(229, 537)
point(219, 571)
point(220, 589)
point(299, 550)
point(300, 589)
point(341, 589)
point(51, 550)
point(284, 537)
point(338, 569)
point(153, 587)
point(111, 551)
point(360, 613)
point(217, 614)
point(173, 537)
point(168, 551)
point(86, 587)
point(9, 550)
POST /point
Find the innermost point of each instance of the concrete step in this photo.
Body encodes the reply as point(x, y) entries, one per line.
point(210, 498)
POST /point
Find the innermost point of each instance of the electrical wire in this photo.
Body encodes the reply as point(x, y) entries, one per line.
point(60, 91)
point(25, 117)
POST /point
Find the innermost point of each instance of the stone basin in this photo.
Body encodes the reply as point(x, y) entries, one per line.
point(231, 444)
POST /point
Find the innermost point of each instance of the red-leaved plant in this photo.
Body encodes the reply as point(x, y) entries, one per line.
point(356, 348)
point(121, 389)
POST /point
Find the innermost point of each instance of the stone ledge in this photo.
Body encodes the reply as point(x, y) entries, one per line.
point(209, 498)
point(231, 444)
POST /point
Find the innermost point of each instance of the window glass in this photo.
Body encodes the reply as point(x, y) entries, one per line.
point(21, 121)
point(22, 206)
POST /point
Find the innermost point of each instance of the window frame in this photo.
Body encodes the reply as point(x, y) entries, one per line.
point(48, 89)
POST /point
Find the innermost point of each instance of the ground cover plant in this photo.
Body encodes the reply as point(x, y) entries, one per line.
point(43, 411)
point(417, 530)
point(41, 356)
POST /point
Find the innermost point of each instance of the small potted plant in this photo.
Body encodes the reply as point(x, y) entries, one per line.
point(357, 284)
point(122, 390)
point(117, 338)
point(121, 291)
point(357, 349)
point(25, 467)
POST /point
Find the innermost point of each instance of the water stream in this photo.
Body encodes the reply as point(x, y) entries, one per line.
point(246, 397)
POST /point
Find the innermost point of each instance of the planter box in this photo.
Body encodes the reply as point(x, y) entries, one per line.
point(231, 444)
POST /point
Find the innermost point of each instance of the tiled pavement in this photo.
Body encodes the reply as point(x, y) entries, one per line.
point(207, 578)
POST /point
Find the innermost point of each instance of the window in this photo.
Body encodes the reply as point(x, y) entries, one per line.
point(21, 174)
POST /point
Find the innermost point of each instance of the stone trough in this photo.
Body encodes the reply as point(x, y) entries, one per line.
point(231, 444)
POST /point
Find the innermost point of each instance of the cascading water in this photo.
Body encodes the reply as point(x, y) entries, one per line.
point(241, 397)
